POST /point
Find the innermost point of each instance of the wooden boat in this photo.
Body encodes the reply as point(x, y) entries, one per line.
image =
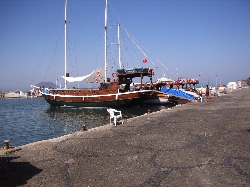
point(113, 92)
point(110, 93)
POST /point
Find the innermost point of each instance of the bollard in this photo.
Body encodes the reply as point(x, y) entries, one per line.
point(6, 144)
point(84, 128)
point(149, 111)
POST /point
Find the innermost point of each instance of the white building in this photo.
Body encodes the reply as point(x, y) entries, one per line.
point(232, 85)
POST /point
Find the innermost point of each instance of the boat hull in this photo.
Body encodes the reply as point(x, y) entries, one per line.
point(12, 96)
point(18, 94)
point(110, 100)
point(108, 104)
point(157, 101)
point(161, 99)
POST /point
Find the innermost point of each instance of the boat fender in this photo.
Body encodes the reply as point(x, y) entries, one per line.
point(98, 73)
point(97, 79)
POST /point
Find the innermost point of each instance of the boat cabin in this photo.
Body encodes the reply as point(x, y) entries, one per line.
point(125, 76)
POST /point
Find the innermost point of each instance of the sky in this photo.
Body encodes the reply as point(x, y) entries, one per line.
point(205, 39)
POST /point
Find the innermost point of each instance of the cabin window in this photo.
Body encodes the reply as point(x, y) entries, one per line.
point(106, 86)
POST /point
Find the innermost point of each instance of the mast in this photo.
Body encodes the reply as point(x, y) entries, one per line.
point(65, 46)
point(119, 45)
point(105, 40)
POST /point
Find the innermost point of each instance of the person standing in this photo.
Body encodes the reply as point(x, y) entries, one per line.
point(207, 93)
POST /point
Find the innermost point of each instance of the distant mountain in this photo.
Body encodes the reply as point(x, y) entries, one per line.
point(46, 85)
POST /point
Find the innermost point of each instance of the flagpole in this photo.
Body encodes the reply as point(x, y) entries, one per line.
point(216, 81)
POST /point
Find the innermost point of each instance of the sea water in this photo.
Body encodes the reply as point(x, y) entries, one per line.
point(27, 120)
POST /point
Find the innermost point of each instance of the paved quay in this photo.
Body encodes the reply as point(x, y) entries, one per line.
point(196, 144)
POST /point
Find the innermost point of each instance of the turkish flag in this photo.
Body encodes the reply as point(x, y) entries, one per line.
point(144, 60)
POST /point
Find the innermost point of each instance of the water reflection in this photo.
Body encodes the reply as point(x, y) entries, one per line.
point(72, 119)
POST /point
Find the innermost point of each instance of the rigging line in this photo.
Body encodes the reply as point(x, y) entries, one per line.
point(54, 54)
point(121, 23)
point(71, 52)
point(135, 42)
point(141, 49)
point(98, 54)
point(133, 39)
point(124, 39)
point(46, 45)
point(73, 63)
point(112, 7)
point(159, 61)
point(156, 58)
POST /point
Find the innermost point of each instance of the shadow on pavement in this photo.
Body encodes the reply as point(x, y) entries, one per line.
point(15, 173)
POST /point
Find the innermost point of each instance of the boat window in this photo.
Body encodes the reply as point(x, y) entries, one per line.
point(105, 86)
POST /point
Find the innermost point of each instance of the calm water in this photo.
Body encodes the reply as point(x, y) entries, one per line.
point(26, 120)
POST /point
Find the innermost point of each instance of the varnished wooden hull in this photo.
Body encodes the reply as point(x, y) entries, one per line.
point(109, 100)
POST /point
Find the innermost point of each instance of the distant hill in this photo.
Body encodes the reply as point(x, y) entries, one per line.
point(46, 85)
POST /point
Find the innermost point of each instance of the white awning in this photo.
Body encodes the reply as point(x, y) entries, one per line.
point(95, 76)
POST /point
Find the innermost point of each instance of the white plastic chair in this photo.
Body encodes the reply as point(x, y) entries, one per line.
point(114, 114)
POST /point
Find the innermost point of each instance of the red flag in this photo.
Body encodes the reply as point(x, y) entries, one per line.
point(144, 60)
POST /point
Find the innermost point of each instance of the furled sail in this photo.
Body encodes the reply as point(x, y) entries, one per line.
point(95, 76)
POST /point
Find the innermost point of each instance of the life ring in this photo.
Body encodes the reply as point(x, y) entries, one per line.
point(114, 74)
point(98, 73)
point(97, 79)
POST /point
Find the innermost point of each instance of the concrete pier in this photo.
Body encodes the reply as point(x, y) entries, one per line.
point(196, 144)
